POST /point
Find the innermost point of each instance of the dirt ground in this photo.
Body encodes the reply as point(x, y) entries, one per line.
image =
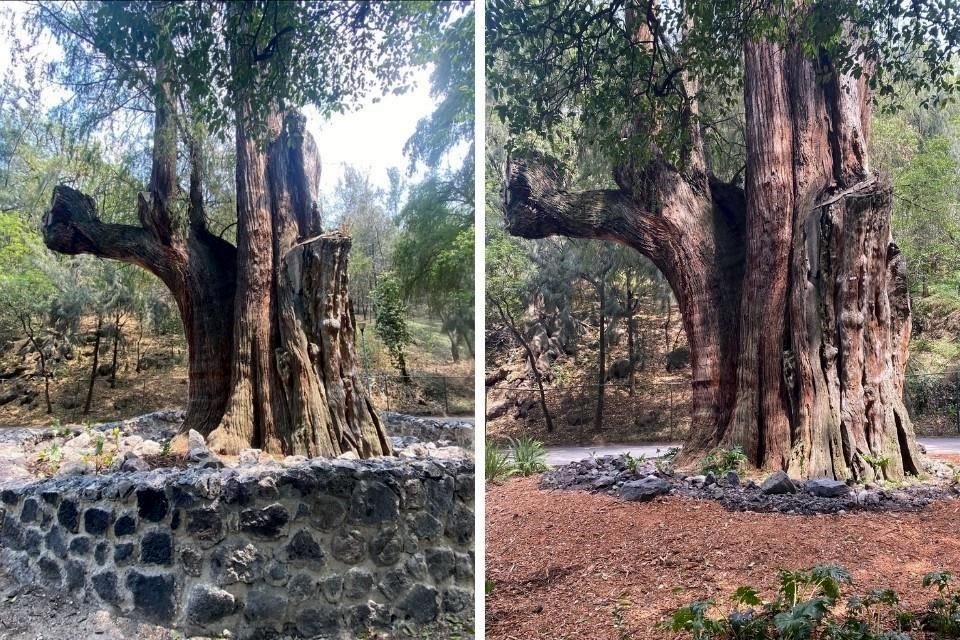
point(562, 561)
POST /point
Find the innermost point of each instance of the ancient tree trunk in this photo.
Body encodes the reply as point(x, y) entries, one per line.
point(792, 295)
point(268, 324)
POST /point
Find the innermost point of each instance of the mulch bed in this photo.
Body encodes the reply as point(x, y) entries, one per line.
point(562, 561)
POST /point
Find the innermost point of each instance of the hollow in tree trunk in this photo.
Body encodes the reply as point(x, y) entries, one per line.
point(792, 294)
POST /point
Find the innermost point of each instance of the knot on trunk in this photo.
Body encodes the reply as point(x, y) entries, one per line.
point(532, 180)
point(69, 208)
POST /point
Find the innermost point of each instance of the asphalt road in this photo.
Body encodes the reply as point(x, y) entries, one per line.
point(563, 455)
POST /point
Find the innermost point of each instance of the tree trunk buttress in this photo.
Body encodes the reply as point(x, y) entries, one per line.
point(792, 294)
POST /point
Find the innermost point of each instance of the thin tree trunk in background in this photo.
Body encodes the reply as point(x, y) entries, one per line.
point(28, 328)
point(139, 339)
point(509, 321)
point(602, 377)
point(116, 344)
point(93, 369)
point(466, 340)
point(631, 330)
point(454, 346)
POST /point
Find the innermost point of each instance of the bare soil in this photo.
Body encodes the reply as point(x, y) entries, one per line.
point(568, 564)
point(135, 393)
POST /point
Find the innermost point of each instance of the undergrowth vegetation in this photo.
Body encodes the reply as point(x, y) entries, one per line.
point(524, 456)
point(721, 460)
point(529, 456)
point(809, 606)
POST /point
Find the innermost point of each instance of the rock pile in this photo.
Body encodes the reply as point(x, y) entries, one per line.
point(136, 444)
point(619, 476)
point(443, 432)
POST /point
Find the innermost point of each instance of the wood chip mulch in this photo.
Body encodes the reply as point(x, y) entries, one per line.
point(570, 565)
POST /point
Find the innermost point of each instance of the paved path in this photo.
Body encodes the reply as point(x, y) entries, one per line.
point(563, 455)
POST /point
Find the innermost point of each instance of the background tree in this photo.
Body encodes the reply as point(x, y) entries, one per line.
point(26, 291)
point(434, 250)
point(793, 300)
point(390, 313)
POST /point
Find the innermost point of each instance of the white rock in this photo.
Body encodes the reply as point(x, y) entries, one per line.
point(82, 441)
point(148, 448)
point(291, 461)
point(249, 457)
point(130, 442)
point(348, 455)
point(195, 440)
point(74, 469)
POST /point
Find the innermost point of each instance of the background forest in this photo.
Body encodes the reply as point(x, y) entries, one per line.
point(82, 338)
point(603, 328)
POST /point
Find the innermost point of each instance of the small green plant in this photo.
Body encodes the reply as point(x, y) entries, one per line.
point(808, 607)
point(165, 447)
point(50, 457)
point(101, 457)
point(721, 460)
point(878, 463)
point(497, 463)
point(632, 463)
point(529, 456)
point(620, 618)
point(664, 460)
point(943, 612)
point(60, 430)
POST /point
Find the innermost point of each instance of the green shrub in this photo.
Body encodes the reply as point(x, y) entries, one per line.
point(808, 607)
point(529, 456)
point(720, 461)
point(497, 463)
point(632, 463)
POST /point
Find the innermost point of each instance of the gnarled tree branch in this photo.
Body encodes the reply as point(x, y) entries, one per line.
point(71, 226)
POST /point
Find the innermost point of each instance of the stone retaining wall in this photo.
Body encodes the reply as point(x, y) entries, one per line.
point(322, 549)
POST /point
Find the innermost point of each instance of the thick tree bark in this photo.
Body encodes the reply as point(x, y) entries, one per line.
point(792, 295)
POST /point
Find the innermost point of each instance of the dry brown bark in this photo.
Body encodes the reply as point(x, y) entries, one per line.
point(791, 291)
point(268, 323)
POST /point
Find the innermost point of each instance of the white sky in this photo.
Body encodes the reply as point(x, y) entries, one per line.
point(371, 138)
